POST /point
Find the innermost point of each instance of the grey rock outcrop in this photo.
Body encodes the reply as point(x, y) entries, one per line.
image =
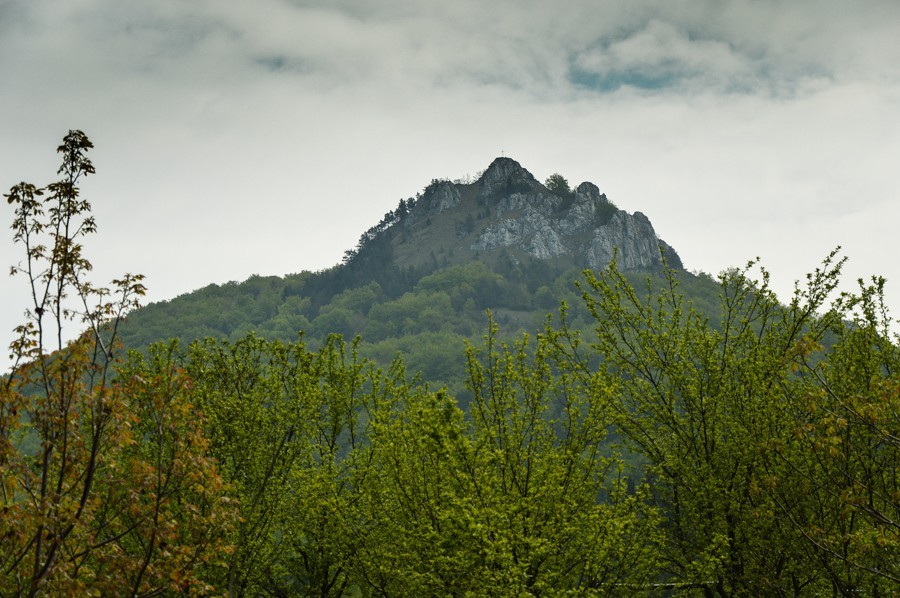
point(583, 223)
point(443, 197)
point(632, 235)
point(506, 208)
point(506, 176)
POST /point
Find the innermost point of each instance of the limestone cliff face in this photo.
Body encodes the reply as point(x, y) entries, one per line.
point(444, 197)
point(583, 224)
point(505, 176)
point(507, 212)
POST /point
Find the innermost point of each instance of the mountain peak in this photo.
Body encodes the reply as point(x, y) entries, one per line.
point(503, 166)
point(505, 176)
point(507, 214)
point(506, 221)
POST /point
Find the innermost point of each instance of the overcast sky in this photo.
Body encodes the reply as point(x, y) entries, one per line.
point(235, 138)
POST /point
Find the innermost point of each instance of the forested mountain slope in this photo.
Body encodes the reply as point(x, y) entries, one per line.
point(425, 275)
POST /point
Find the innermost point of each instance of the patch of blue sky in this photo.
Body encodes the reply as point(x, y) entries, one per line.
point(279, 63)
point(274, 63)
point(660, 78)
point(606, 82)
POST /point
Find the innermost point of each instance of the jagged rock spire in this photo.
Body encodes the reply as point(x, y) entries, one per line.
point(507, 210)
point(505, 176)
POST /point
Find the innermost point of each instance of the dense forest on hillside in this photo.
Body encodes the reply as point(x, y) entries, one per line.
point(767, 435)
point(426, 323)
point(420, 278)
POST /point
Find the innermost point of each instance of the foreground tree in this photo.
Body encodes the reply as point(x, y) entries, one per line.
point(518, 499)
point(286, 425)
point(844, 452)
point(773, 458)
point(104, 483)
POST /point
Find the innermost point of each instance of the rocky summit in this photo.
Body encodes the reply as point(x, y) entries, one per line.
point(508, 213)
point(503, 242)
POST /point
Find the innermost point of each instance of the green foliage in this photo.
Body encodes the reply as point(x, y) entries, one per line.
point(97, 458)
point(437, 357)
point(603, 213)
point(337, 320)
point(516, 500)
point(520, 295)
point(761, 438)
point(285, 424)
point(539, 432)
point(411, 314)
point(352, 481)
point(698, 402)
point(745, 426)
point(768, 461)
point(558, 185)
point(844, 451)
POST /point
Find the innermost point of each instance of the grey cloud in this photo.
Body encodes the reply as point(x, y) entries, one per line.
point(753, 46)
point(533, 47)
point(663, 53)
